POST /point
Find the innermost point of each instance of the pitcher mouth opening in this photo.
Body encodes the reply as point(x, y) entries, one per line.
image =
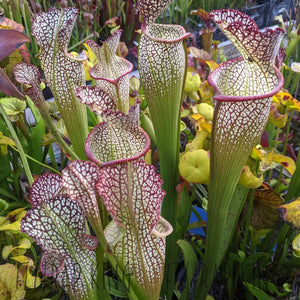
point(226, 98)
point(178, 35)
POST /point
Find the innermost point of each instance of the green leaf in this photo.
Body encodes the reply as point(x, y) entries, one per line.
point(116, 287)
point(183, 214)
point(8, 193)
point(34, 148)
point(3, 205)
point(259, 294)
point(190, 264)
point(257, 259)
point(270, 287)
point(13, 106)
point(294, 186)
point(5, 165)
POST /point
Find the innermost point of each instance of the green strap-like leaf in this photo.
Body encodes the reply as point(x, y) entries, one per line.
point(190, 264)
point(294, 186)
point(132, 194)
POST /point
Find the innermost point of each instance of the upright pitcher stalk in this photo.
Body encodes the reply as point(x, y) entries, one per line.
point(162, 66)
point(244, 88)
point(63, 72)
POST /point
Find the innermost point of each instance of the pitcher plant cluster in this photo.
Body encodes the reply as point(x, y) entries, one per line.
point(140, 155)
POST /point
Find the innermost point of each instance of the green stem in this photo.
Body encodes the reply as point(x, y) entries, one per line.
point(36, 161)
point(247, 223)
point(275, 147)
point(22, 126)
point(288, 78)
point(49, 123)
point(100, 285)
point(82, 41)
point(133, 290)
point(284, 149)
point(52, 157)
point(290, 49)
point(15, 205)
point(18, 145)
point(295, 83)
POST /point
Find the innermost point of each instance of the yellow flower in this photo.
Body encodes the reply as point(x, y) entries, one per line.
point(249, 180)
point(192, 82)
point(4, 142)
point(10, 250)
point(87, 64)
point(27, 266)
point(212, 65)
point(197, 142)
point(200, 123)
point(90, 54)
point(206, 92)
point(276, 118)
point(286, 101)
point(11, 283)
point(290, 212)
point(13, 220)
point(206, 110)
point(296, 246)
point(194, 166)
point(269, 159)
